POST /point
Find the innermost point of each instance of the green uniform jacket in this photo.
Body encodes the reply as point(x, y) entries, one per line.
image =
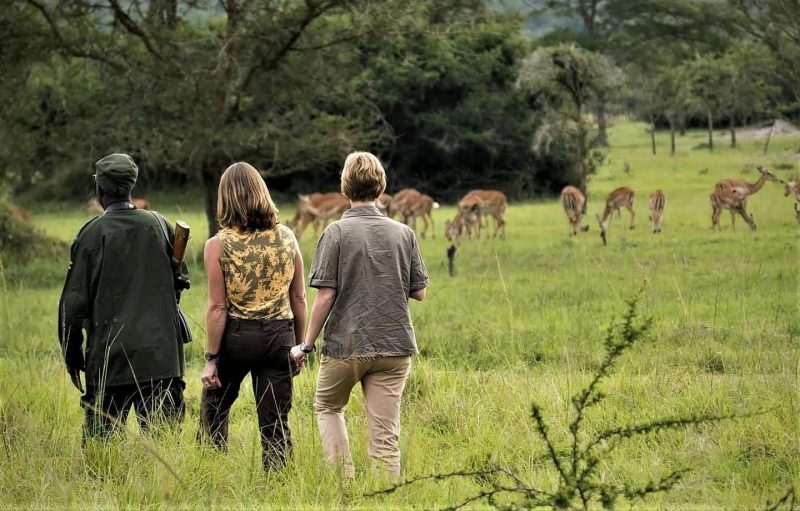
point(120, 289)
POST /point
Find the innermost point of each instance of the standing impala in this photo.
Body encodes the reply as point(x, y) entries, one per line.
point(657, 202)
point(420, 206)
point(573, 202)
point(619, 198)
point(494, 203)
point(732, 194)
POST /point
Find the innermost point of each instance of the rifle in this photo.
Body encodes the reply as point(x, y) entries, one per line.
point(182, 231)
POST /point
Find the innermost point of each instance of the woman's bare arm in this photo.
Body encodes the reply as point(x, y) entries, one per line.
point(216, 312)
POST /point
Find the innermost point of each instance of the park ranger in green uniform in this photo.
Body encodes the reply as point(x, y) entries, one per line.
point(120, 289)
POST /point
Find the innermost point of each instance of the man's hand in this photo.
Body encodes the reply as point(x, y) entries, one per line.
point(209, 378)
point(75, 376)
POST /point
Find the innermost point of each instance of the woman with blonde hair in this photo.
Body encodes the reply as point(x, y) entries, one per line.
point(256, 312)
point(366, 268)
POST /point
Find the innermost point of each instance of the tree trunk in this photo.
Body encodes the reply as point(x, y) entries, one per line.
point(653, 134)
point(602, 122)
point(210, 185)
point(733, 135)
point(672, 137)
point(583, 151)
point(710, 133)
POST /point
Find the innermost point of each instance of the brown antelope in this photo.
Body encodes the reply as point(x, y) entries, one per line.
point(398, 205)
point(18, 211)
point(410, 205)
point(140, 203)
point(420, 207)
point(732, 194)
point(468, 217)
point(384, 203)
point(793, 188)
point(495, 203)
point(94, 207)
point(317, 209)
point(619, 198)
point(657, 202)
point(573, 202)
point(732, 200)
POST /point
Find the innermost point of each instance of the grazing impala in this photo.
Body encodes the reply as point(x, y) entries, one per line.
point(732, 194)
point(793, 188)
point(317, 209)
point(657, 202)
point(573, 202)
point(468, 217)
point(619, 198)
point(494, 203)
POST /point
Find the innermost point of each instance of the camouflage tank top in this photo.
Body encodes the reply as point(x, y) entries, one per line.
point(258, 268)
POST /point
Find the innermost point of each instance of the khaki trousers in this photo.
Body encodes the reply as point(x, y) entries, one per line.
point(382, 381)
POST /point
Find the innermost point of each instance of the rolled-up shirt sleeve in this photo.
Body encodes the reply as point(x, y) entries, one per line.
point(325, 265)
point(419, 274)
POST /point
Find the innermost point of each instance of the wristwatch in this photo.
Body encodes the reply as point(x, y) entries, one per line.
point(305, 349)
point(210, 356)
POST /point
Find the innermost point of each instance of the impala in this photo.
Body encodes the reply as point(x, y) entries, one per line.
point(468, 217)
point(573, 202)
point(93, 206)
point(140, 203)
point(793, 188)
point(619, 198)
point(420, 207)
point(495, 204)
point(657, 202)
point(732, 194)
point(410, 205)
point(398, 202)
point(732, 200)
point(317, 209)
point(384, 203)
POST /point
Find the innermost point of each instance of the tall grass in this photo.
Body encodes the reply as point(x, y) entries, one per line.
point(726, 330)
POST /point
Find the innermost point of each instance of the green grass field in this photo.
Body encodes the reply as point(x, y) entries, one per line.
point(522, 320)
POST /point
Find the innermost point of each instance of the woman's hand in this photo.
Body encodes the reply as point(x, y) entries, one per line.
point(209, 377)
point(298, 355)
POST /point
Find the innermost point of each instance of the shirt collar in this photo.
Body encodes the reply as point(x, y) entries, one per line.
point(370, 210)
point(118, 206)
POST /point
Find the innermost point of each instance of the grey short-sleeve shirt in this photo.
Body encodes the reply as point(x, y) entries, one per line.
point(373, 262)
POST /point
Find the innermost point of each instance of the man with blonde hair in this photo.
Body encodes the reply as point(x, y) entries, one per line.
point(366, 267)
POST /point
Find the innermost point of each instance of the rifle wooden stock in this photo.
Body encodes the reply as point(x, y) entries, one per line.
point(179, 244)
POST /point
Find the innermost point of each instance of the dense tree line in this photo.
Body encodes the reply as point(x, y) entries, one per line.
point(450, 93)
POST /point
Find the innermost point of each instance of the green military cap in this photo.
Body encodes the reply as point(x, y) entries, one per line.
point(116, 174)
